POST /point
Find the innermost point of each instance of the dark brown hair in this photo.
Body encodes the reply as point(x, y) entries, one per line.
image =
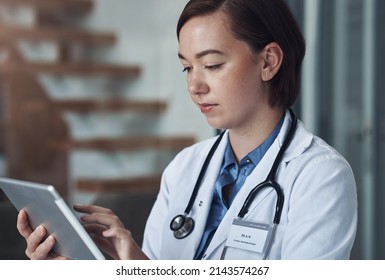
point(258, 23)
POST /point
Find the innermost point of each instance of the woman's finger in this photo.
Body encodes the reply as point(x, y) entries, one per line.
point(118, 233)
point(23, 224)
point(89, 209)
point(95, 229)
point(35, 239)
point(43, 250)
point(106, 246)
point(103, 219)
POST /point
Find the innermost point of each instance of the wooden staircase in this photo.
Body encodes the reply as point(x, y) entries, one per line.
point(61, 35)
point(68, 7)
point(61, 68)
point(36, 137)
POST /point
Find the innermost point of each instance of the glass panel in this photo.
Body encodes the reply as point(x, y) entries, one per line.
point(379, 129)
point(348, 101)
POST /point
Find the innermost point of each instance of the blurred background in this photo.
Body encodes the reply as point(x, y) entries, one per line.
point(93, 101)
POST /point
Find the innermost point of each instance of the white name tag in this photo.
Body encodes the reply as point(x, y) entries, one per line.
point(248, 235)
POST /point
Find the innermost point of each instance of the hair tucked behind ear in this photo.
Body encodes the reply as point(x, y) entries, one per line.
point(258, 23)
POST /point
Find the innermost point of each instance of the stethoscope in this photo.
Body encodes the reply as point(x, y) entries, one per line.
point(182, 225)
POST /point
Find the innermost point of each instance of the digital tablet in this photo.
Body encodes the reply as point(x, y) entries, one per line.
point(46, 207)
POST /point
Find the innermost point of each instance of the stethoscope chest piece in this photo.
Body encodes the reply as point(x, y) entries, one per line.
point(182, 226)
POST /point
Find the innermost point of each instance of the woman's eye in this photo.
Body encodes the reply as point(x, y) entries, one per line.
point(213, 67)
point(186, 69)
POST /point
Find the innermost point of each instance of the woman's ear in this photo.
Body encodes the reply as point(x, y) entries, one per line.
point(273, 57)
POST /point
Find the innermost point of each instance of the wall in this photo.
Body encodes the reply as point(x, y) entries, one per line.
point(146, 36)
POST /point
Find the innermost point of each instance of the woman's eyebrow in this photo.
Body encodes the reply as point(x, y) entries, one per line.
point(203, 53)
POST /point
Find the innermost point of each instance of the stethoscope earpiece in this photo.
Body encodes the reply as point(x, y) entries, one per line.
point(182, 226)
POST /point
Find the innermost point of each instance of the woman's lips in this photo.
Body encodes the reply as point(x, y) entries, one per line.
point(206, 108)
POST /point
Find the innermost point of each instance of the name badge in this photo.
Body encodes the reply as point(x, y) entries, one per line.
point(247, 235)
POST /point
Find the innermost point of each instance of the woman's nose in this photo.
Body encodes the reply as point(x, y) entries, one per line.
point(197, 84)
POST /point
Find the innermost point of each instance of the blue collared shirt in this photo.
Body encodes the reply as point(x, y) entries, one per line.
point(231, 176)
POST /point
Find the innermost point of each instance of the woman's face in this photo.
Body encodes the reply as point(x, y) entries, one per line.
point(223, 74)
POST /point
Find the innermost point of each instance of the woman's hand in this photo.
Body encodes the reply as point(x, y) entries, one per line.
point(38, 245)
point(109, 233)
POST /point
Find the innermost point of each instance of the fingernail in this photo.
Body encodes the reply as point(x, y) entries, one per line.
point(50, 240)
point(40, 230)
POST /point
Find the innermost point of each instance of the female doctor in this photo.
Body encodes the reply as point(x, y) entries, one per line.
point(266, 188)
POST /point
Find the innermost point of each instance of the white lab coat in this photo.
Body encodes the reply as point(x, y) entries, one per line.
point(319, 216)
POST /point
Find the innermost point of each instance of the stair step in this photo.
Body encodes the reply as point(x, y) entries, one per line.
point(82, 69)
point(151, 182)
point(114, 105)
point(11, 34)
point(77, 7)
point(132, 143)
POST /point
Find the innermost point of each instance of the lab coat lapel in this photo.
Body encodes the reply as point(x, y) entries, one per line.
point(257, 176)
point(202, 204)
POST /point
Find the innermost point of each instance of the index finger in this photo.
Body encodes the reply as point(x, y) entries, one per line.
point(89, 209)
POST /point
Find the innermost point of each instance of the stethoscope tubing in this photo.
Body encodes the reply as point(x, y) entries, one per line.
point(270, 179)
point(177, 223)
point(202, 174)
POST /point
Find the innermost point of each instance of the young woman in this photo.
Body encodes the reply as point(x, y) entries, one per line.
point(242, 59)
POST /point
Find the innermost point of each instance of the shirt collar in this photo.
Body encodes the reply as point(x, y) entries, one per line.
point(255, 155)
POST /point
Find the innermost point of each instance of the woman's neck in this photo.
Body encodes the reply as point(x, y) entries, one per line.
point(246, 139)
